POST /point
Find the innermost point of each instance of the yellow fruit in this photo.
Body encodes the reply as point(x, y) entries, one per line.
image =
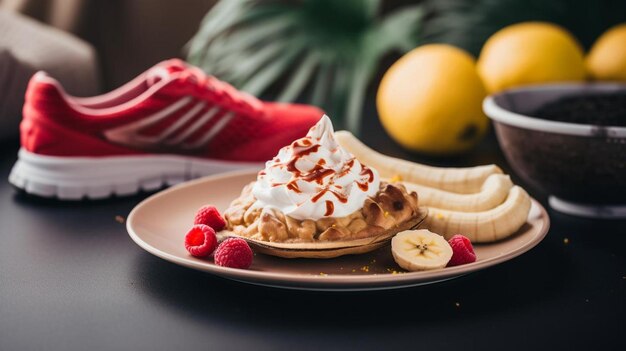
point(430, 100)
point(530, 53)
point(607, 58)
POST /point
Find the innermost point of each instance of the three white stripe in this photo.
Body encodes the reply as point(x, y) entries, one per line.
point(181, 121)
point(206, 117)
point(129, 134)
point(219, 125)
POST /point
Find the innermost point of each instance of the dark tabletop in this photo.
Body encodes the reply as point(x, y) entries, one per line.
point(72, 279)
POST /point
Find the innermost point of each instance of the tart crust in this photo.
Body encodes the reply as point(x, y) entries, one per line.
point(390, 209)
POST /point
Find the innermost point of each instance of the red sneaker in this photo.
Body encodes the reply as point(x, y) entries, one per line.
point(170, 124)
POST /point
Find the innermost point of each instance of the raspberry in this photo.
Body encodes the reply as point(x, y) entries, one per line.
point(210, 216)
point(200, 240)
point(234, 253)
point(462, 250)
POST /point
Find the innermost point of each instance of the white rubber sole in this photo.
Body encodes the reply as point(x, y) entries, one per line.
point(75, 178)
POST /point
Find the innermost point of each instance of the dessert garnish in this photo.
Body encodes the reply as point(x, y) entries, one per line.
point(200, 240)
point(314, 178)
point(234, 253)
point(462, 250)
point(210, 216)
point(418, 250)
point(315, 199)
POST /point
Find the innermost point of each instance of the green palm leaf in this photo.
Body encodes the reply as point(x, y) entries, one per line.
point(323, 52)
point(299, 78)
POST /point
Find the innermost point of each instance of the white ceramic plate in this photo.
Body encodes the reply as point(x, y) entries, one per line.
point(159, 224)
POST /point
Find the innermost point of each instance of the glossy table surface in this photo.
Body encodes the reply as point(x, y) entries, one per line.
point(72, 279)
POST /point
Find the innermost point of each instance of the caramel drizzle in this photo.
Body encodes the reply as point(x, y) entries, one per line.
point(321, 193)
point(304, 147)
point(298, 154)
point(292, 185)
point(346, 168)
point(365, 171)
point(330, 208)
point(304, 142)
point(317, 174)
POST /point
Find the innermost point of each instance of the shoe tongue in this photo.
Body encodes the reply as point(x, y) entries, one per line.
point(163, 71)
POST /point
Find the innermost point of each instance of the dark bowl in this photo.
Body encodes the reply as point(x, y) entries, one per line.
point(583, 166)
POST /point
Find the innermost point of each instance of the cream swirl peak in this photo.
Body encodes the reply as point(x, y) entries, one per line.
point(314, 177)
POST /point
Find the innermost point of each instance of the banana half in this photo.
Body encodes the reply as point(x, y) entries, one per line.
point(486, 226)
point(457, 180)
point(494, 191)
point(418, 250)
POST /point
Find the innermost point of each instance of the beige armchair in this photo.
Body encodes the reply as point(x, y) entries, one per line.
point(129, 35)
point(27, 46)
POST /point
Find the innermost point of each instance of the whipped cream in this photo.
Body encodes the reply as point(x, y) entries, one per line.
point(314, 177)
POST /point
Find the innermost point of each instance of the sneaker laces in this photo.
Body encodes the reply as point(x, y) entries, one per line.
point(222, 91)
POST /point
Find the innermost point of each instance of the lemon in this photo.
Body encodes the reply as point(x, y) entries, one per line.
point(430, 100)
point(530, 53)
point(607, 58)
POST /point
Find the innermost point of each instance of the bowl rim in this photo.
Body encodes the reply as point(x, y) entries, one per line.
point(502, 115)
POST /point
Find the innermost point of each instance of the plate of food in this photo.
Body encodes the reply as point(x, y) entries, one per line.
point(328, 213)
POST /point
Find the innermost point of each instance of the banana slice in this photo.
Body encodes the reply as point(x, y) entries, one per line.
point(418, 250)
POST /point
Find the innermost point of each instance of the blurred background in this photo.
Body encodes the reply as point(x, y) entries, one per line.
point(329, 53)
